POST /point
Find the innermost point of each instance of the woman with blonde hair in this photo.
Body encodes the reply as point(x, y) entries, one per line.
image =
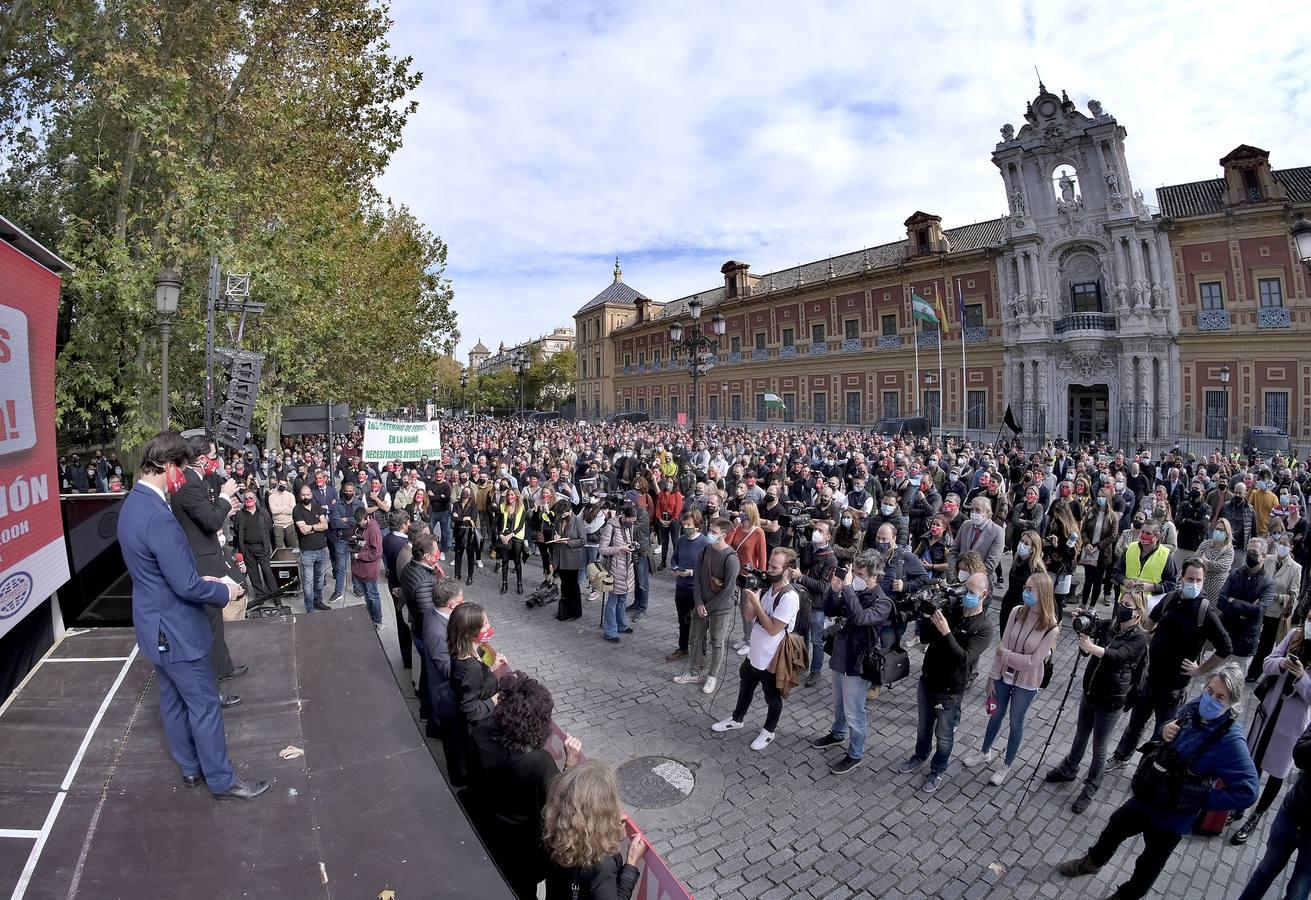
point(582, 827)
point(1017, 671)
point(1026, 560)
point(1217, 557)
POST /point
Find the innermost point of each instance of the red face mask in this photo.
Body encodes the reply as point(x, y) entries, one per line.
point(176, 478)
point(486, 634)
point(211, 465)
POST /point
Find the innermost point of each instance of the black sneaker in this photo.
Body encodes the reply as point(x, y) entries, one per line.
point(336, 595)
point(1057, 776)
point(827, 740)
point(1081, 802)
point(845, 765)
point(1114, 764)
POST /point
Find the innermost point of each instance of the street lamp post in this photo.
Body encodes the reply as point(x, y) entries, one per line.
point(930, 379)
point(694, 345)
point(1301, 232)
point(168, 288)
point(1224, 424)
point(464, 386)
point(519, 363)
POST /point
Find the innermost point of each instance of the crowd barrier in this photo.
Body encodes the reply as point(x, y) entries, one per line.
point(657, 881)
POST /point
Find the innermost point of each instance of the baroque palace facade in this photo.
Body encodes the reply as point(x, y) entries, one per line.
point(1089, 312)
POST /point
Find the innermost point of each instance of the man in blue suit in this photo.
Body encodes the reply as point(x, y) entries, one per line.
point(168, 612)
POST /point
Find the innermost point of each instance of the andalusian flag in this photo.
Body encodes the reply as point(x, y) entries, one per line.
point(923, 310)
point(774, 401)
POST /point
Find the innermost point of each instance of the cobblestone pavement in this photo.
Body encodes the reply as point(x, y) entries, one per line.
point(777, 824)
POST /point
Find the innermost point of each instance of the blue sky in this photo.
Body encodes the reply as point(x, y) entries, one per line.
point(551, 137)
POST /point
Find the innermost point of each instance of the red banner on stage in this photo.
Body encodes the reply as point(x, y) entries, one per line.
point(33, 562)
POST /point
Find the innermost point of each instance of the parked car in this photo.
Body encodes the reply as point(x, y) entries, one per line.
point(1266, 441)
point(910, 426)
point(539, 418)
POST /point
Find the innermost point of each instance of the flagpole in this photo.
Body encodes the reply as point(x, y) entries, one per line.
point(942, 385)
point(964, 410)
point(916, 338)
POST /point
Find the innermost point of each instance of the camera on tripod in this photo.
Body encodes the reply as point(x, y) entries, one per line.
point(936, 596)
point(794, 515)
point(1083, 622)
point(750, 578)
point(612, 500)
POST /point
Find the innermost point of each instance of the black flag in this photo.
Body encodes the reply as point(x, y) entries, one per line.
point(1010, 421)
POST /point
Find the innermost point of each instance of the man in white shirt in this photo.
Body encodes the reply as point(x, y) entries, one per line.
point(775, 616)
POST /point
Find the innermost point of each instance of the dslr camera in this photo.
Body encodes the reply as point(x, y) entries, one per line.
point(936, 596)
point(1083, 622)
point(794, 515)
point(751, 578)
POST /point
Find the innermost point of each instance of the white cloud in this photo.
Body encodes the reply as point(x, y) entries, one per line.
point(679, 135)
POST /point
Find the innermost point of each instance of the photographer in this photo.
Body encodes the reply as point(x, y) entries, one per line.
point(818, 561)
point(1177, 783)
point(955, 640)
point(1180, 626)
point(903, 574)
point(861, 609)
point(775, 614)
point(713, 587)
point(1116, 648)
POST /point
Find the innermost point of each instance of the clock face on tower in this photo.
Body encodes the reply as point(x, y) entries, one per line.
point(1047, 107)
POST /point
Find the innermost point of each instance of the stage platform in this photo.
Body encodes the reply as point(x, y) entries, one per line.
point(93, 806)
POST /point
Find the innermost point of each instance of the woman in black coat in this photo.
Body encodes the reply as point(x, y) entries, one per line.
point(468, 542)
point(473, 684)
point(582, 827)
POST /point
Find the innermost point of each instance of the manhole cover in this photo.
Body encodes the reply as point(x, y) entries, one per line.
point(655, 782)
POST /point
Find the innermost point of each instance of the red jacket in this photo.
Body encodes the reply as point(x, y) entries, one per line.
point(670, 502)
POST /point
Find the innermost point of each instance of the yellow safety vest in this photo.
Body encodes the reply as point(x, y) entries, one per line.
point(1149, 571)
point(517, 526)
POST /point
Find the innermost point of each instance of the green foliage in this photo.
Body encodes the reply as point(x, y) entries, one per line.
point(139, 133)
point(548, 384)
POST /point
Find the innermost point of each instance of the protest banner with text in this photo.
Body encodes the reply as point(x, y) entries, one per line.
point(385, 440)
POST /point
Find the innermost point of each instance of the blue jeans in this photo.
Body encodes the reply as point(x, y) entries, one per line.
point(1285, 839)
point(1018, 700)
point(341, 562)
point(938, 720)
point(817, 639)
point(369, 591)
point(849, 711)
point(642, 579)
point(613, 619)
point(313, 568)
point(441, 528)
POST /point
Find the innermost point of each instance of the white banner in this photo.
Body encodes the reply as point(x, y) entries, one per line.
point(406, 441)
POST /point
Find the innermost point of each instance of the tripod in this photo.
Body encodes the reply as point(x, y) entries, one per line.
point(1056, 720)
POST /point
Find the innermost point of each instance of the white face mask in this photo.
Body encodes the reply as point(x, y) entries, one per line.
point(857, 583)
point(962, 576)
point(817, 537)
point(977, 518)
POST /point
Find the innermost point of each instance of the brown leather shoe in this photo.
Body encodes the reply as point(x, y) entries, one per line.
point(676, 655)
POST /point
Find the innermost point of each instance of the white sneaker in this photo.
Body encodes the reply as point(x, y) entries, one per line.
point(739, 644)
point(480, 563)
point(763, 740)
point(441, 556)
point(744, 650)
point(726, 725)
point(1000, 776)
point(687, 679)
point(978, 757)
point(709, 686)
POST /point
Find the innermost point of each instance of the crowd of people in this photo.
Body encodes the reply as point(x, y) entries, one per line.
point(1183, 578)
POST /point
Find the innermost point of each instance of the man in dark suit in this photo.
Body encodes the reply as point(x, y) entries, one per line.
point(446, 595)
point(202, 511)
point(418, 582)
point(168, 599)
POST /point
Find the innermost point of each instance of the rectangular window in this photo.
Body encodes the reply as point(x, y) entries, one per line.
point(713, 406)
point(597, 370)
point(891, 404)
point(641, 357)
point(655, 356)
point(1251, 186)
point(819, 406)
point(628, 405)
point(890, 325)
point(789, 407)
point(735, 407)
point(789, 337)
point(760, 340)
point(852, 327)
point(655, 407)
point(641, 404)
point(1271, 292)
point(817, 333)
point(853, 407)
point(628, 360)
point(1276, 409)
point(762, 411)
point(977, 406)
point(735, 344)
point(1217, 414)
point(1086, 297)
point(673, 407)
point(584, 368)
point(974, 315)
point(933, 407)
point(1211, 295)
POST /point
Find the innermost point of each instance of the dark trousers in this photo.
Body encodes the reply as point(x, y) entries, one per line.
point(219, 657)
point(1130, 820)
point(571, 596)
point(669, 535)
point(1094, 577)
point(544, 552)
point(511, 554)
point(1163, 706)
point(1285, 839)
point(684, 604)
point(1096, 724)
point(1264, 644)
point(260, 572)
point(751, 676)
point(402, 630)
point(193, 721)
point(467, 546)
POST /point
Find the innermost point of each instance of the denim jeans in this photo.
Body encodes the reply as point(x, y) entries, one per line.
point(341, 562)
point(441, 528)
point(613, 619)
point(369, 591)
point(313, 568)
point(1097, 724)
point(1017, 699)
point(642, 580)
point(1285, 839)
point(938, 720)
point(849, 711)
point(816, 639)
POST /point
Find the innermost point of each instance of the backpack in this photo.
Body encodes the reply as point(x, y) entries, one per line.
point(1138, 677)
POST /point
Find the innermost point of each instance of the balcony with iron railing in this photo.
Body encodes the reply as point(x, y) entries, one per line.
point(1213, 320)
point(1274, 317)
point(1085, 321)
point(852, 345)
point(759, 354)
point(818, 348)
point(787, 352)
point(889, 342)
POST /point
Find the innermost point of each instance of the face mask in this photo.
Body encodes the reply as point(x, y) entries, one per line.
point(962, 575)
point(976, 518)
point(1210, 708)
point(1159, 513)
point(816, 537)
point(1260, 485)
point(1253, 559)
point(1282, 551)
point(174, 480)
point(936, 531)
point(715, 538)
point(846, 521)
point(1023, 550)
point(971, 600)
point(486, 634)
point(1124, 613)
point(1284, 498)
point(886, 509)
point(773, 577)
point(915, 480)
point(884, 546)
point(250, 504)
point(1030, 598)
point(858, 584)
point(1101, 501)
point(1191, 591)
point(1306, 630)
point(690, 532)
point(950, 508)
point(306, 501)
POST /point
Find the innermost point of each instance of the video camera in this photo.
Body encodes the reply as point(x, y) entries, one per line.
point(613, 500)
point(794, 515)
point(751, 578)
point(936, 596)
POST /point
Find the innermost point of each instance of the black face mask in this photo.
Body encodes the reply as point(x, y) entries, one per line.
point(1253, 560)
point(1124, 613)
point(307, 501)
point(773, 577)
